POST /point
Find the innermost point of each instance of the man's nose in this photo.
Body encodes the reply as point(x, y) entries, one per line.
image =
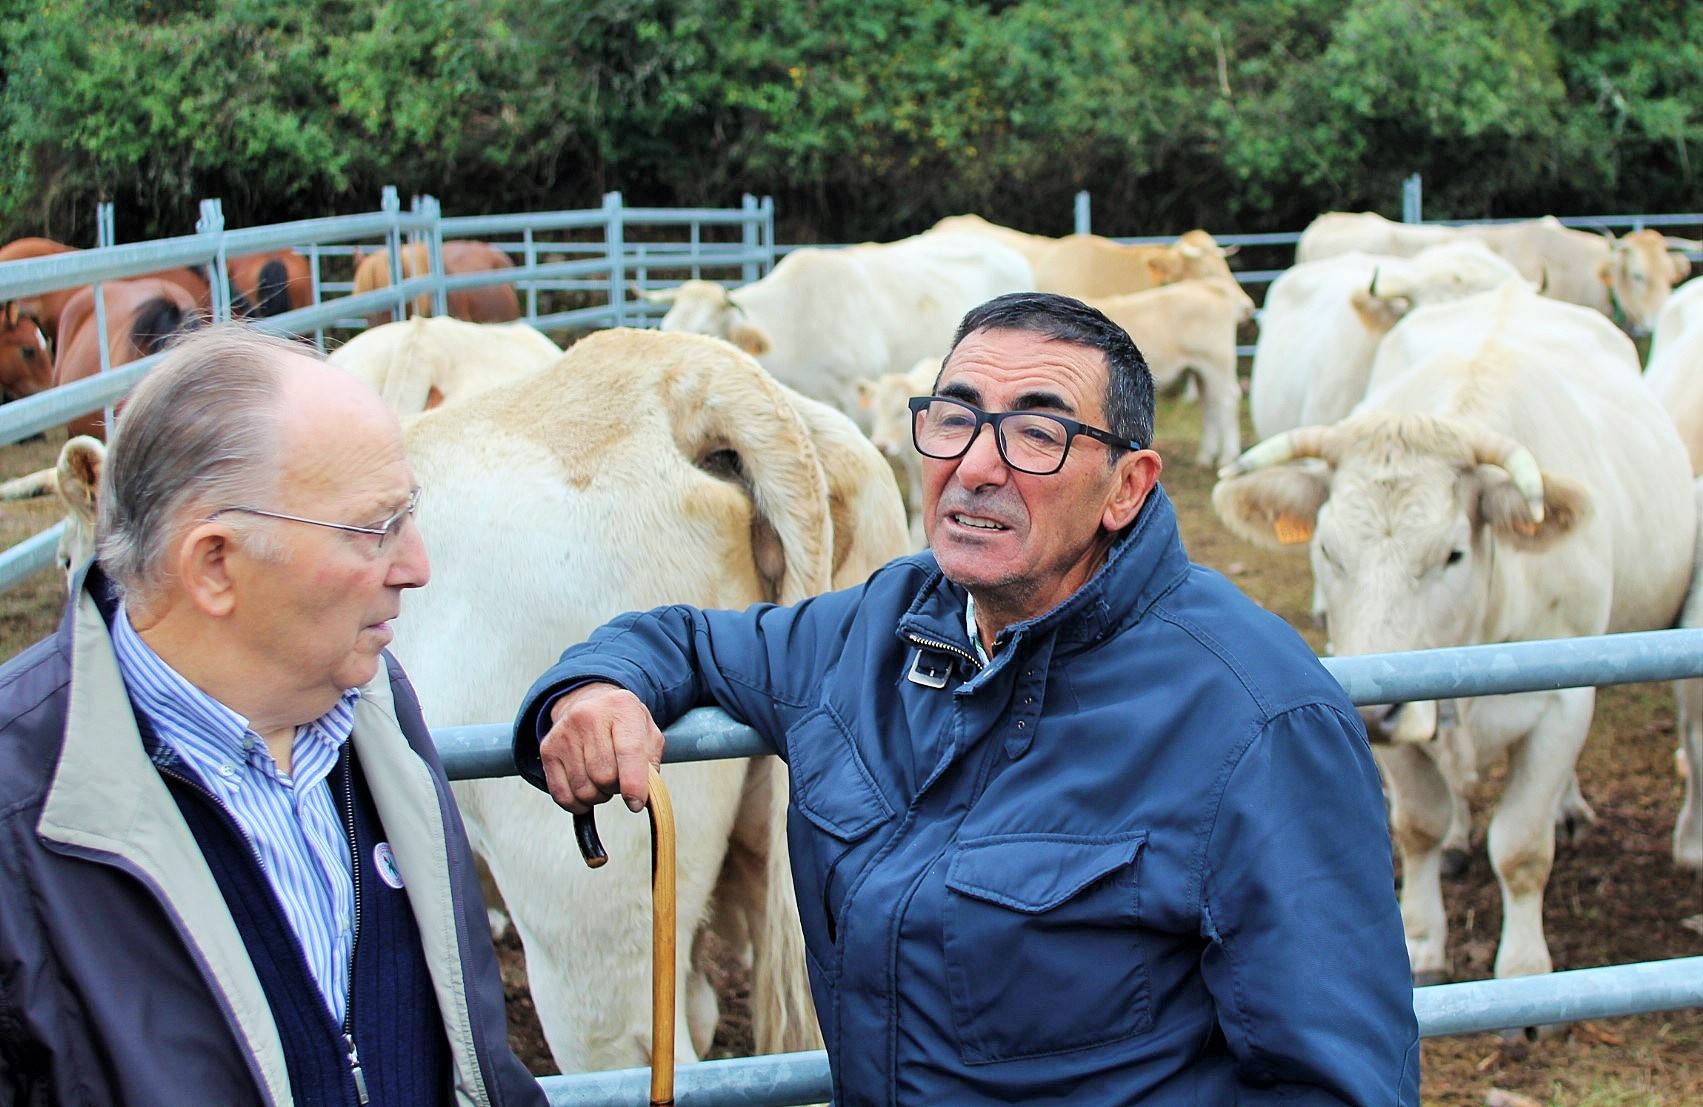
point(412, 567)
point(981, 464)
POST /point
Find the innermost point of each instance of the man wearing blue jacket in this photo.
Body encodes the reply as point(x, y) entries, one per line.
point(1072, 818)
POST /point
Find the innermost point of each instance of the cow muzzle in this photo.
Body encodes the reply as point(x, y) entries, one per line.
point(1392, 723)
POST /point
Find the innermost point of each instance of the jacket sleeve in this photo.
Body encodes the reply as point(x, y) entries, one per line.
point(1307, 963)
point(754, 664)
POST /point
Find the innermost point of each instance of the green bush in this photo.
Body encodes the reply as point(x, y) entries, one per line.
point(864, 118)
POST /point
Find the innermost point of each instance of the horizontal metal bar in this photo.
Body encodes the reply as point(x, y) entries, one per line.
point(79, 267)
point(20, 562)
point(707, 733)
point(1507, 667)
point(57, 406)
point(1602, 993)
point(458, 226)
point(790, 1079)
point(330, 229)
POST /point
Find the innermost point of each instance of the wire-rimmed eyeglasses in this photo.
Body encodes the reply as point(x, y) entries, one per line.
point(1029, 441)
point(385, 531)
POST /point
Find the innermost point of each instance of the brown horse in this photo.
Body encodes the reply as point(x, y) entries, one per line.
point(492, 303)
point(25, 366)
point(140, 315)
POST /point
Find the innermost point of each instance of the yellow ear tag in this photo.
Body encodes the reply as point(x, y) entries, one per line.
point(1292, 530)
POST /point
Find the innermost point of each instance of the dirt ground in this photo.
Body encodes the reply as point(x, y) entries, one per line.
point(1615, 898)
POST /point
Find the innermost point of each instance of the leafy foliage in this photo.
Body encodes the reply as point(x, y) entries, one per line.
point(865, 118)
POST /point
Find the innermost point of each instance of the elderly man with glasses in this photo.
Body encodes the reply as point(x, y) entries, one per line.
point(230, 868)
point(1072, 818)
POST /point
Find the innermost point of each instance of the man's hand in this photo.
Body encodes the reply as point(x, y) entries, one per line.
point(602, 741)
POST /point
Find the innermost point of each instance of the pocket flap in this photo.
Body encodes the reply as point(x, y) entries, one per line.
point(1037, 872)
point(830, 784)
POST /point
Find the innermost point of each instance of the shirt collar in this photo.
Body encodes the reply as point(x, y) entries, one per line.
point(974, 631)
point(177, 708)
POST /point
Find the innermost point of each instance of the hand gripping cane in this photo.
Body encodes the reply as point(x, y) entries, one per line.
point(662, 929)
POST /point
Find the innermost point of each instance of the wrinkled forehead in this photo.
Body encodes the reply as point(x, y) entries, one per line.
point(1003, 369)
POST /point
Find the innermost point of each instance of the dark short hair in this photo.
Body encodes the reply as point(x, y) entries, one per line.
point(1129, 384)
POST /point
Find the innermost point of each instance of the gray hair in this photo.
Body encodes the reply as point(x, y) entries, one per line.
point(200, 433)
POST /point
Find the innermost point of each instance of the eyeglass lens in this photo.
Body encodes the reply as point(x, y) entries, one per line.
point(1032, 442)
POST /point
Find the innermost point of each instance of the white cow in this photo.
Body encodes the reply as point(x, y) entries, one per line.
point(1688, 827)
point(640, 469)
point(1509, 479)
point(1190, 327)
point(1323, 321)
point(884, 402)
point(1675, 372)
point(423, 362)
point(825, 319)
point(1626, 279)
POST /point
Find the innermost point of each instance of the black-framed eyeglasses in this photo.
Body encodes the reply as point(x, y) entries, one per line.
point(387, 530)
point(1029, 441)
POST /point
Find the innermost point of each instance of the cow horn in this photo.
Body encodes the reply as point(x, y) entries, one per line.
point(1193, 253)
point(1543, 282)
point(1517, 462)
point(1372, 290)
point(1279, 448)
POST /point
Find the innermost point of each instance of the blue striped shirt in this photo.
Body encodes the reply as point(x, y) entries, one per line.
point(290, 819)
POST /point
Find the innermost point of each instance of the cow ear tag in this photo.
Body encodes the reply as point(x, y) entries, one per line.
point(929, 669)
point(1292, 530)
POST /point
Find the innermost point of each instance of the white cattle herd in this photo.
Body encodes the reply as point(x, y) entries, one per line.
point(1453, 423)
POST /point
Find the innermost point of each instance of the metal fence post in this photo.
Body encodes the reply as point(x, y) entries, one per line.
point(432, 210)
point(105, 235)
point(212, 222)
point(615, 250)
point(1412, 196)
point(390, 202)
point(531, 251)
point(768, 234)
point(1084, 213)
point(313, 284)
point(749, 234)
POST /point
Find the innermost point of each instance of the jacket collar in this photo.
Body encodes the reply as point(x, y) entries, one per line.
point(1144, 563)
point(107, 802)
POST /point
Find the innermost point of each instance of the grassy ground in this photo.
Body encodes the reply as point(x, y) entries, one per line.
point(1616, 898)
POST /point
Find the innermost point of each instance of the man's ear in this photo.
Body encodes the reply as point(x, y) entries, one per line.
point(1137, 473)
point(202, 565)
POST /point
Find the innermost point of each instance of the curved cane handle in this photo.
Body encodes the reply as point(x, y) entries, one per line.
point(590, 845)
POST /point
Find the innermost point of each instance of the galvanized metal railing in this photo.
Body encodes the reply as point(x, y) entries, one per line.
point(611, 266)
point(471, 752)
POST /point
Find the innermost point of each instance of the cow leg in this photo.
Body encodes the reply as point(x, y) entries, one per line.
point(1220, 431)
point(1522, 832)
point(1573, 816)
point(1688, 829)
point(1420, 805)
point(1457, 759)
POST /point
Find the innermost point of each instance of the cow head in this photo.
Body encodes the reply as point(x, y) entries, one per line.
point(1403, 515)
point(704, 307)
point(1639, 272)
point(75, 480)
point(1433, 276)
point(1200, 257)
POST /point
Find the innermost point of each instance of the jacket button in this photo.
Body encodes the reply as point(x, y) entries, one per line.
point(1019, 724)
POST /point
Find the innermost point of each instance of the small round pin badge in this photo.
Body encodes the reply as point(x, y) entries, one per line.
point(384, 860)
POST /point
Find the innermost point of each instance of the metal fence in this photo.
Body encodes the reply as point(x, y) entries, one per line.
point(1442, 1010)
point(634, 249)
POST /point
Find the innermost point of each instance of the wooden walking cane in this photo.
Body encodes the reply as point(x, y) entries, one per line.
point(662, 929)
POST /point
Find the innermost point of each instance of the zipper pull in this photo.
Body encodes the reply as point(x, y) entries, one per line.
point(355, 1068)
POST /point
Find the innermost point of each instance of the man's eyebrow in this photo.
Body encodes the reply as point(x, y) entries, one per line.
point(1051, 401)
point(960, 391)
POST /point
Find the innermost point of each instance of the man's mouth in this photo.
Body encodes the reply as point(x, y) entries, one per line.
point(977, 522)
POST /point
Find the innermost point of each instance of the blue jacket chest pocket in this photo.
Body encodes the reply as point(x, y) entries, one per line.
point(836, 808)
point(1043, 949)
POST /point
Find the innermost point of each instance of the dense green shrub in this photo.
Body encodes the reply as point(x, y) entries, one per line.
point(864, 118)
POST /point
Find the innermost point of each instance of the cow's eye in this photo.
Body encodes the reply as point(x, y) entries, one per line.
point(1454, 556)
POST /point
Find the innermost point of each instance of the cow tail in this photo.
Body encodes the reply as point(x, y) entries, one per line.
point(783, 1018)
point(730, 415)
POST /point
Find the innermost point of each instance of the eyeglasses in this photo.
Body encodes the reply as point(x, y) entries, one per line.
point(385, 531)
point(1028, 441)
